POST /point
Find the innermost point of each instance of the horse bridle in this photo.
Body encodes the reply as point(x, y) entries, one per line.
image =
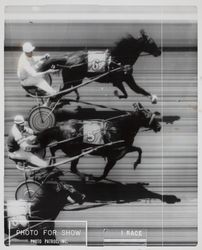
point(151, 119)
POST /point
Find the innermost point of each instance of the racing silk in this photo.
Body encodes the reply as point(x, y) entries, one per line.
point(96, 132)
point(99, 132)
point(93, 132)
point(26, 66)
point(16, 138)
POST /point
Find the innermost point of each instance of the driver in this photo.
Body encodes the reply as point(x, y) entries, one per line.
point(19, 143)
point(27, 70)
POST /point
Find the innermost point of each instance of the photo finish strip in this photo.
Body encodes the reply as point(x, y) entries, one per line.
point(100, 139)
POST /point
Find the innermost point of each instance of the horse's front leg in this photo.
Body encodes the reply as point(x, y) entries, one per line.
point(139, 150)
point(121, 87)
point(133, 85)
point(110, 164)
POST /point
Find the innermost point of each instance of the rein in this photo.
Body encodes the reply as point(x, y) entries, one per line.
point(119, 116)
point(63, 141)
point(145, 54)
point(69, 67)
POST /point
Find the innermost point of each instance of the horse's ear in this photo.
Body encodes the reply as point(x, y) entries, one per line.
point(135, 106)
point(140, 106)
point(143, 33)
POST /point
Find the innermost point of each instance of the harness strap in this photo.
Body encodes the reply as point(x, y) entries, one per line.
point(151, 119)
point(69, 67)
point(119, 116)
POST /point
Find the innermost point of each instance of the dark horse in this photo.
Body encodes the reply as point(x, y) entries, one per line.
point(39, 214)
point(124, 54)
point(124, 128)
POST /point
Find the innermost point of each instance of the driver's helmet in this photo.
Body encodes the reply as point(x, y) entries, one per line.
point(28, 47)
point(19, 119)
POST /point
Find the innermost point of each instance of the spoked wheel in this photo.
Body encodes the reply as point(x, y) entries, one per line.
point(41, 118)
point(27, 190)
point(48, 78)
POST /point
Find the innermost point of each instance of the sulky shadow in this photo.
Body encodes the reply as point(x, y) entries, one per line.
point(94, 111)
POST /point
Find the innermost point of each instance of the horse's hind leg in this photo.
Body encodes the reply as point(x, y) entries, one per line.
point(74, 169)
point(77, 95)
point(73, 166)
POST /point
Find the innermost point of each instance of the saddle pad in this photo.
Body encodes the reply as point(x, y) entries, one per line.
point(97, 61)
point(93, 132)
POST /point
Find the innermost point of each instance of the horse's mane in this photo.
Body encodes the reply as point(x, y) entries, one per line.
point(125, 48)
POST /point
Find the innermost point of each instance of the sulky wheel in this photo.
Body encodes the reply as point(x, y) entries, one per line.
point(48, 78)
point(27, 190)
point(41, 118)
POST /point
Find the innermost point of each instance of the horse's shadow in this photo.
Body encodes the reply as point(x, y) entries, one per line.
point(121, 193)
point(81, 113)
point(67, 112)
point(170, 119)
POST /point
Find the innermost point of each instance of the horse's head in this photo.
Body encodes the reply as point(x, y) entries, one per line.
point(128, 48)
point(149, 44)
point(147, 118)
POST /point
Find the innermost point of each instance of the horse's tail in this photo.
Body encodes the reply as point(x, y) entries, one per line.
point(48, 135)
point(76, 59)
point(54, 63)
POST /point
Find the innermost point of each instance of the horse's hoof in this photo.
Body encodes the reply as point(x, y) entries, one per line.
point(96, 179)
point(135, 164)
point(89, 177)
point(116, 93)
point(122, 97)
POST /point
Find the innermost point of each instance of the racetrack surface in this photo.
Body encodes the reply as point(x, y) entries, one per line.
point(169, 161)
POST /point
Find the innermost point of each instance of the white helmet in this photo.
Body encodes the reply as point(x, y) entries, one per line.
point(19, 119)
point(27, 47)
